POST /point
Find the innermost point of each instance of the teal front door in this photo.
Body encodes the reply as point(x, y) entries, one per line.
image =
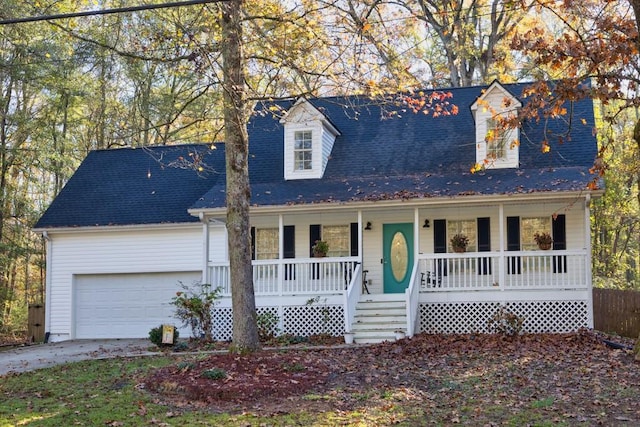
point(397, 252)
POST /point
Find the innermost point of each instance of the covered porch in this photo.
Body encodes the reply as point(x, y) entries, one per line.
point(440, 290)
point(449, 293)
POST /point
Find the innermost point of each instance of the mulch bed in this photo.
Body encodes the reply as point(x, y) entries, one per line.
point(278, 379)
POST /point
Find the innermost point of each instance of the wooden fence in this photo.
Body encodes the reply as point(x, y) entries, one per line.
point(35, 331)
point(616, 311)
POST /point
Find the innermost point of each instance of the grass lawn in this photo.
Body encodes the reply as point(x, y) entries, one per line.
point(430, 380)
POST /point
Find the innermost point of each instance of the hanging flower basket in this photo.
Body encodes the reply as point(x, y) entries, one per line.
point(459, 243)
point(543, 240)
point(320, 249)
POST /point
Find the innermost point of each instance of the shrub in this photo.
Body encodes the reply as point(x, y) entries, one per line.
point(181, 346)
point(155, 336)
point(505, 322)
point(193, 308)
point(186, 366)
point(267, 325)
point(215, 374)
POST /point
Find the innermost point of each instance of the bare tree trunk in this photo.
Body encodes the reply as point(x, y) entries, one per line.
point(245, 331)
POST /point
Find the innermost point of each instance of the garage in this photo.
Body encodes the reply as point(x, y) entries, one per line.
point(126, 305)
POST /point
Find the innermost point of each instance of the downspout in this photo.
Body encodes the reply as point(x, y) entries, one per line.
point(47, 284)
point(589, 273)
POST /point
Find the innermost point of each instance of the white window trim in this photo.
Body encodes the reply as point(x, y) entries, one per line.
point(297, 150)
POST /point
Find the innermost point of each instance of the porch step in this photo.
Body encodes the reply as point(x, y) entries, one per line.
point(377, 317)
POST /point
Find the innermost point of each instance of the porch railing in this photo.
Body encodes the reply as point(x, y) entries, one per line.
point(435, 273)
point(411, 297)
point(292, 276)
point(506, 270)
point(352, 296)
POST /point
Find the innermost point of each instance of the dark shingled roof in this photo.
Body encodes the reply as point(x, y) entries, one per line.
point(128, 186)
point(414, 155)
point(375, 157)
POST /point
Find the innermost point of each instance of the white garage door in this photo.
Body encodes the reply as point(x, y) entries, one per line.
point(126, 305)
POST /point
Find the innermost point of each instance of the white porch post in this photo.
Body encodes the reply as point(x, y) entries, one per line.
point(589, 273)
point(280, 256)
point(416, 232)
point(205, 249)
point(502, 275)
point(360, 236)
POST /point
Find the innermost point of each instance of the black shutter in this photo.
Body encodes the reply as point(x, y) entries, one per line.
point(484, 244)
point(559, 231)
point(440, 246)
point(513, 244)
point(355, 245)
point(289, 250)
point(314, 234)
point(440, 236)
point(289, 241)
point(253, 243)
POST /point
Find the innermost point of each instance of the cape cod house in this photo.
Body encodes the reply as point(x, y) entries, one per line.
point(386, 187)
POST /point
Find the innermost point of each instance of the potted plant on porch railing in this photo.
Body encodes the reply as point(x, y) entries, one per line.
point(320, 249)
point(459, 243)
point(543, 239)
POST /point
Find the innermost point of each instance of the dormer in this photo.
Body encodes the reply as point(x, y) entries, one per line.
point(497, 146)
point(308, 141)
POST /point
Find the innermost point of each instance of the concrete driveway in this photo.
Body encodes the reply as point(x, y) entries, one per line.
point(38, 356)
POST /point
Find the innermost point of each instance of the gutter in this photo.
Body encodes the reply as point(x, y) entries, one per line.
point(419, 202)
point(111, 228)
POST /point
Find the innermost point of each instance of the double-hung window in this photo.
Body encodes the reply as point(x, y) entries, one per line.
point(496, 140)
point(302, 150)
point(267, 243)
point(337, 236)
point(466, 227)
point(529, 227)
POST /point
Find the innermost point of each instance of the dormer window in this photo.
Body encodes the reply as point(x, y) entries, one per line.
point(496, 140)
point(496, 143)
point(303, 150)
point(308, 140)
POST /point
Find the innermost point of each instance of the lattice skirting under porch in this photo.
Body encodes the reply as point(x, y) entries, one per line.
point(301, 321)
point(472, 317)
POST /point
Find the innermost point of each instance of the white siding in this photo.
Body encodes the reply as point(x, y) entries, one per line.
point(101, 252)
point(218, 247)
point(327, 145)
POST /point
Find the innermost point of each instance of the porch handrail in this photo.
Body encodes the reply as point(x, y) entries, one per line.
point(412, 297)
point(553, 269)
point(351, 297)
point(329, 275)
